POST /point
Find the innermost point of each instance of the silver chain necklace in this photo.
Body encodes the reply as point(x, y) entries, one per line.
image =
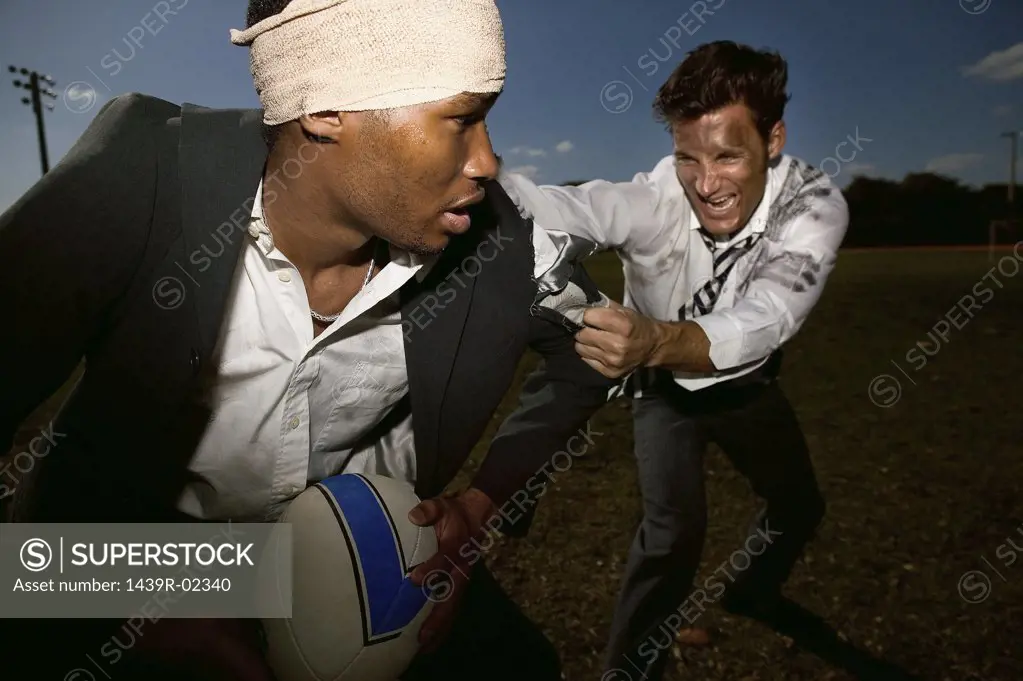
point(330, 319)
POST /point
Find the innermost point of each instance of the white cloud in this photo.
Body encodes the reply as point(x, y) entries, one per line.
point(1001, 66)
point(860, 168)
point(528, 151)
point(1003, 110)
point(529, 171)
point(953, 163)
point(564, 147)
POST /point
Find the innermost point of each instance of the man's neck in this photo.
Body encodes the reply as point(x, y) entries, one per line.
point(298, 214)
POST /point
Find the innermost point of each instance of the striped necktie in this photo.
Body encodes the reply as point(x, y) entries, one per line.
point(707, 295)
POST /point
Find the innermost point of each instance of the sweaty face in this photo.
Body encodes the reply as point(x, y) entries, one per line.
point(409, 174)
point(721, 161)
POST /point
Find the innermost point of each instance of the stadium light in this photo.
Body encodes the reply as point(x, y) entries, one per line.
point(36, 102)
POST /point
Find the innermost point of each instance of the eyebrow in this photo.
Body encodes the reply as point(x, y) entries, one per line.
point(477, 100)
point(723, 150)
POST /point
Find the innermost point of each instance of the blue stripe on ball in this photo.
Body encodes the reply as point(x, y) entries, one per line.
point(394, 601)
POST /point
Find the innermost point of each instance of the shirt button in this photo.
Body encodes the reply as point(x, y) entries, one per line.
point(284, 275)
point(293, 423)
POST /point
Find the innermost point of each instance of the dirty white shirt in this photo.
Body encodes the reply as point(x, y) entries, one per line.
point(289, 409)
point(767, 296)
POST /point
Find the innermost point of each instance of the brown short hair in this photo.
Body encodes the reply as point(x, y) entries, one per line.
point(718, 74)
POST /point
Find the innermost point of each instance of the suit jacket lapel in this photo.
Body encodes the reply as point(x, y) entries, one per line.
point(222, 155)
point(431, 343)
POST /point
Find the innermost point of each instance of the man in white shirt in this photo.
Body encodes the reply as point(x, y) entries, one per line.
point(726, 247)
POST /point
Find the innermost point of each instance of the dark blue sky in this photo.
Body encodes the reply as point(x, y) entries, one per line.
point(926, 83)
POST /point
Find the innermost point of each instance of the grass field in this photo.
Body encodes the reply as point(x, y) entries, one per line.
point(920, 492)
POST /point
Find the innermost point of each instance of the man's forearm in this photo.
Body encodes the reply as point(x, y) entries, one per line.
point(681, 346)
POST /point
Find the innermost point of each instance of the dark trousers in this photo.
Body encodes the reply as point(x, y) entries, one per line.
point(491, 640)
point(753, 422)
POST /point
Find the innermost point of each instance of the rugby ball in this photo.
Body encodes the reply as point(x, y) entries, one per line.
point(355, 613)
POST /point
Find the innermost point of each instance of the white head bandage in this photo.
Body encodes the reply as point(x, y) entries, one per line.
point(355, 55)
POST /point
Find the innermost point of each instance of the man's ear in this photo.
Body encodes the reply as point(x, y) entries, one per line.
point(776, 141)
point(325, 126)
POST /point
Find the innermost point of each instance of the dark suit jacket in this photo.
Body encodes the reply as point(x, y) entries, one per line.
point(123, 254)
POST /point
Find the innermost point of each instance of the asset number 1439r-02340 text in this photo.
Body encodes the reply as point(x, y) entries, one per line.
point(179, 584)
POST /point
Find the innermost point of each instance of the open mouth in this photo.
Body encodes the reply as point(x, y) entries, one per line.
point(457, 220)
point(721, 204)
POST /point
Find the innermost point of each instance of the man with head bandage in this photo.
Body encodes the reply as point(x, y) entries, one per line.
point(333, 283)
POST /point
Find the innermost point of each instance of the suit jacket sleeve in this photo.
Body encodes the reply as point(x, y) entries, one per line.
point(72, 244)
point(555, 404)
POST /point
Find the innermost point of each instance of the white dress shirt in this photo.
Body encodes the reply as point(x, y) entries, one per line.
point(289, 409)
point(650, 223)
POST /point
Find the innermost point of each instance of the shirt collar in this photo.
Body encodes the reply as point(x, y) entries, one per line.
point(264, 240)
point(758, 221)
point(257, 228)
point(421, 264)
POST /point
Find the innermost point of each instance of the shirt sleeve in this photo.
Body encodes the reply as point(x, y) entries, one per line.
point(788, 284)
point(630, 216)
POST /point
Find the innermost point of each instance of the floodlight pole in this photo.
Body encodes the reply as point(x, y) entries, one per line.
point(1010, 222)
point(36, 102)
point(1013, 137)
